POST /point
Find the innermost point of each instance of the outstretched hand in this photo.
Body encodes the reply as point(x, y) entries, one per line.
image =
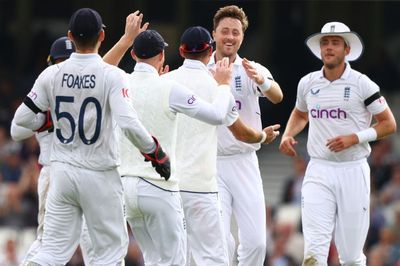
point(272, 132)
point(133, 26)
point(287, 146)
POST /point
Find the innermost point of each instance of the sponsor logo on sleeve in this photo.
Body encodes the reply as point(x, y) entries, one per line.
point(191, 100)
point(125, 92)
point(32, 95)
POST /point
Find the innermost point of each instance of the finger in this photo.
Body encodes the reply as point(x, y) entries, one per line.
point(144, 27)
point(166, 68)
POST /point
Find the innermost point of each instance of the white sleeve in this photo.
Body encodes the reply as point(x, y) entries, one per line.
point(300, 98)
point(25, 117)
point(374, 102)
point(182, 100)
point(20, 133)
point(126, 117)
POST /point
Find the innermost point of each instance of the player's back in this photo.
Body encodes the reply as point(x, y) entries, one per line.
point(197, 172)
point(84, 128)
point(150, 97)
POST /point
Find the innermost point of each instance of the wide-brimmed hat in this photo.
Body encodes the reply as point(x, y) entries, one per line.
point(337, 29)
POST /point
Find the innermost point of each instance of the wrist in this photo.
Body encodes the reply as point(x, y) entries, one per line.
point(367, 135)
point(263, 137)
point(266, 85)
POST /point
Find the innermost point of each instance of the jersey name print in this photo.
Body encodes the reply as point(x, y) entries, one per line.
point(78, 81)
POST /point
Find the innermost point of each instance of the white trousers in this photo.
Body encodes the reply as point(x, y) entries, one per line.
point(157, 221)
point(42, 189)
point(335, 200)
point(98, 195)
point(241, 193)
point(205, 235)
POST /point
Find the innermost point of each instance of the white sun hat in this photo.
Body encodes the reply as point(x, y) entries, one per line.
point(337, 29)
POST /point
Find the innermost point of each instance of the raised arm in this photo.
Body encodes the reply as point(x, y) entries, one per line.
point(261, 76)
point(133, 26)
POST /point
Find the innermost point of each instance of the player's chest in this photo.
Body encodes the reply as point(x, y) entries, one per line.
point(338, 97)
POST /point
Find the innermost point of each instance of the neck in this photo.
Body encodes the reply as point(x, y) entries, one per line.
point(219, 56)
point(334, 73)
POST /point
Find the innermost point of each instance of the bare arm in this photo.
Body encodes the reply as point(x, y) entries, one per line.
point(296, 123)
point(248, 134)
point(132, 29)
point(274, 94)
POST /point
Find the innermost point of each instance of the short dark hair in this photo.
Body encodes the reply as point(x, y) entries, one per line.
point(86, 42)
point(231, 12)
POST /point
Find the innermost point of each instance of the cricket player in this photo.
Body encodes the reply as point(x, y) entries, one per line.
point(338, 103)
point(197, 174)
point(87, 99)
point(60, 50)
point(153, 205)
point(239, 179)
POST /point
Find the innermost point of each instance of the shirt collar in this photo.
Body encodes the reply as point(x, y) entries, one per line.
point(144, 67)
point(85, 56)
point(345, 74)
point(195, 64)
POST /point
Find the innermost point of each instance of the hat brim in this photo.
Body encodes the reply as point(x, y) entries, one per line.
point(352, 38)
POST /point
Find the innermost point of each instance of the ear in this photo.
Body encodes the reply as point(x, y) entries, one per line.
point(347, 49)
point(102, 35)
point(70, 36)
point(133, 55)
point(213, 34)
point(181, 52)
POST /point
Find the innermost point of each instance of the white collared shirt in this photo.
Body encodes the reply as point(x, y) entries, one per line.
point(337, 108)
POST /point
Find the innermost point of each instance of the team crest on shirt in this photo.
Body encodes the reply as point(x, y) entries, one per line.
point(238, 83)
point(346, 95)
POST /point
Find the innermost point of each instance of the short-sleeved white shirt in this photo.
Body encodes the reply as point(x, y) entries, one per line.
point(246, 94)
point(340, 107)
point(84, 94)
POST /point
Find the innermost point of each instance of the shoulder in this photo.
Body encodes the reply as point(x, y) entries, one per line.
point(310, 77)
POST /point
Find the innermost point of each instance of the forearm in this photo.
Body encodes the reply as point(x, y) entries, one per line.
point(296, 123)
point(386, 124)
point(115, 54)
point(274, 93)
point(20, 133)
point(244, 133)
point(25, 117)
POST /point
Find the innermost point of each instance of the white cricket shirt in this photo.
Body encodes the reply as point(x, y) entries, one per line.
point(196, 147)
point(157, 101)
point(338, 108)
point(87, 98)
point(246, 94)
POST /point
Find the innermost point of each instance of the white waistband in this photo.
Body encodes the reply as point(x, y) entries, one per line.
point(339, 164)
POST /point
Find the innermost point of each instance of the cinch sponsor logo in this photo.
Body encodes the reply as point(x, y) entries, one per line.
point(328, 113)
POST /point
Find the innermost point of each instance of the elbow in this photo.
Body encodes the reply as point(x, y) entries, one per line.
point(277, 99)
